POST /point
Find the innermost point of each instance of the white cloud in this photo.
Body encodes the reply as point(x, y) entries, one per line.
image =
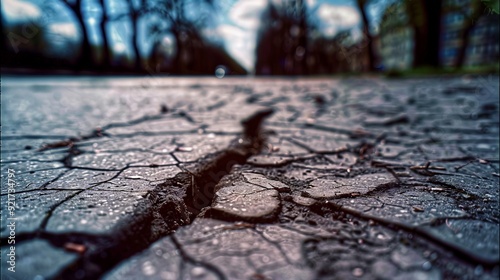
point(241, 34)
point(18, 10)
point(230, 31)
point(66, 29)
point(311, 3)
point(120, 48)
point(246, 13)
point(241, 44)
point(330, 31)
point(340, 16)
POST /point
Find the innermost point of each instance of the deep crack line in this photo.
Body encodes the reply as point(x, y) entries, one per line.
point(180, 199)
point(48, 213)
point(465, 254)
point(210, 171)
point(167, 207)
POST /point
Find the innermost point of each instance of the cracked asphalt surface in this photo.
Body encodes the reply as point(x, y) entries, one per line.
point(200, 178)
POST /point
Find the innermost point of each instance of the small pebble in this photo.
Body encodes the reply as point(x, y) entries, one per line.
point(357, 272)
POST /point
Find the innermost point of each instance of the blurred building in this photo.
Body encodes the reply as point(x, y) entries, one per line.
point(397, 41)
point(483, 47)
point(396, 38)
point(282, 45)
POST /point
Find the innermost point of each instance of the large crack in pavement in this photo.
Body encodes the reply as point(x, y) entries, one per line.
point(323, 207)
point(172, 204)
point(180, 199)
point(384, 178)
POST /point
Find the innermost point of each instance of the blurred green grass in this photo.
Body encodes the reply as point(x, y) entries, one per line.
point(449, 71)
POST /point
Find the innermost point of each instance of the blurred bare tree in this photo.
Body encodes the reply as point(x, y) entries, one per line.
point(85, 59)
point(188, 41)
point(282, 46)
point(192, 52)
point(106, 55)
point(135, 14)
point(367, 35)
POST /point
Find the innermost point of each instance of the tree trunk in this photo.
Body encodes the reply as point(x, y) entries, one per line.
point(105, 62)
point(176, 65)
point(134, 17)
point(420, 47)
point(434, 10)
point(303, 41)
point(85, 60)
point(2, 42)
point(135, 23)
point(464, 36)
point(425, 17)
point(369, 37)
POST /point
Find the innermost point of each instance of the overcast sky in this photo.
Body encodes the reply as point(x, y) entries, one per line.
point(236, 22)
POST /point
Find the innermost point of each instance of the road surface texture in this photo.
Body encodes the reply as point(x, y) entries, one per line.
point(205, 178)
